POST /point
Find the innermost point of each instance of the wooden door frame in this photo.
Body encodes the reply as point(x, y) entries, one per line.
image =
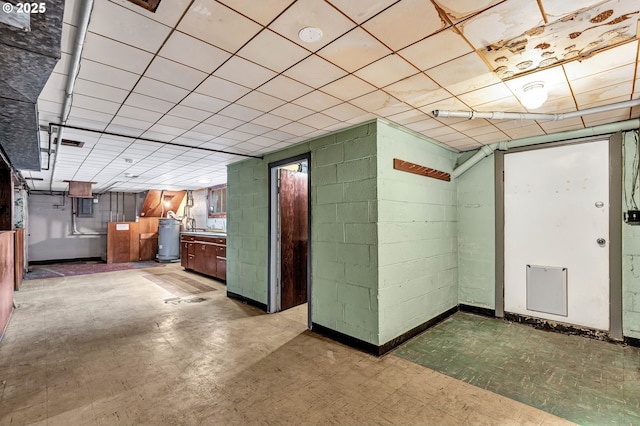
point(615, 225)
point(272, 303)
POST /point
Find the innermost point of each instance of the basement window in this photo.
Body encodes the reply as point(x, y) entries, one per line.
point(84, 207)
point(150, 5)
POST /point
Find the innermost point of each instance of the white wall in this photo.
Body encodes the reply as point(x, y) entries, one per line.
point(50, 228)
point(199, 212)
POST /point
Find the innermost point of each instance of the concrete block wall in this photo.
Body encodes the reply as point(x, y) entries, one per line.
point(476, 235)
point(417, 240)
point(344, 235)
point(630, 247)
point(343, 215)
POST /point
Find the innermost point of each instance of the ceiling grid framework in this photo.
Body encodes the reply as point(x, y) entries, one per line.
point(232, 75)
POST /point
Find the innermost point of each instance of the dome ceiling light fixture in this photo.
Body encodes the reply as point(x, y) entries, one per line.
point(310, 34)
point(534, 95)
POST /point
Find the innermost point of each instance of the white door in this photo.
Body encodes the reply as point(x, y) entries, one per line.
point(557, 225)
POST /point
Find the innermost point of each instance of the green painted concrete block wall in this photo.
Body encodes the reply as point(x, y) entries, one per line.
point(344, 235)
point(476, 242)
point(630, 248)
point(476, 235)
point(417, 245)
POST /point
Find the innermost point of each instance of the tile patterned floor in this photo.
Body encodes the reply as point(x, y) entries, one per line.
point(114, 353)
point(584, 380)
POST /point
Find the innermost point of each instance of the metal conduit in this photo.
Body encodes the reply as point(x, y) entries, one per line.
point(603, 129)
point(81, 33)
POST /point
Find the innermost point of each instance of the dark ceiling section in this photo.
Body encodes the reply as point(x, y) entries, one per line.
point(26, 62)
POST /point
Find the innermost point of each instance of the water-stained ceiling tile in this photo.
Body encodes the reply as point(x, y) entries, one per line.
point(458, 10)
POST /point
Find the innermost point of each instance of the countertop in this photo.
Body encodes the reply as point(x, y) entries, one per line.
point(205, 233)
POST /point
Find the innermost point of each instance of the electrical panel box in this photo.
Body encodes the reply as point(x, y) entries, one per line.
point(632, 217)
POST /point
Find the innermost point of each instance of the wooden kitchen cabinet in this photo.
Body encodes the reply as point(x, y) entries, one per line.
point(204, 254)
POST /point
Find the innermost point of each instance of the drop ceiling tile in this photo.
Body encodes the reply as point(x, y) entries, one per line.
point(110, 52)
point(617, 76)
point(219, 143)
point(167, 13)
point(602, 62)
point(192, 135)
point(598, 98)
point(100, 91)
point(348, 87)
point(205, 103)
point(504, 21)
point(147, 102)
point(178, 122)
point(278, 135)
point(284, 88)
point(159, 136)
point(344, 111)
point(167, 130)
point(260, 101)
point(237, 135)
point(556, 9)
point(405, 23)
point(240, 112)
point(95, 104)
point(253, 129)
point(271, 121)
point(245, 73)
point(458, 11)
point(189, 113)
point(160, 90)
point(292, 112)
point(317, 101)
point(263, 142)
point(386, 71)
point(216, 24)
point(319, 121)
point(454, 137)
point(62, 67)
point(374, 101)
point(471, 73)
point(607, 117)
point(473, 127)
point(431, 51)
point(485, 95)
point(223, 121)
point(246, 147)
point(89, 114)
point(362, 10)
point(111, 76)
point(354, 50)
point(297, 129)
point(174, 73)
point(411, 88)
point(132, 128)
point(209, 130)
point(517, 129)
point(408, 117)
point(139, 114)
point(263, 11)
point(315, 72)
point(115, 22)
point(312, 13)
point(273, 51)
point(188, 50)
point(222, 89)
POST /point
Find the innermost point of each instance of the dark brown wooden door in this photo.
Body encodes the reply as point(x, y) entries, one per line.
point(293, 238)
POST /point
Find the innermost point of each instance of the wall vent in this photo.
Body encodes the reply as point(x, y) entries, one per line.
point(69, 142)
point(150, 5)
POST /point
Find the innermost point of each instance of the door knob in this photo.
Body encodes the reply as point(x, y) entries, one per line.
point(601, 242)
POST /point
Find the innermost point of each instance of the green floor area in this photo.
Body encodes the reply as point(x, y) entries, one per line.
point(587, 381)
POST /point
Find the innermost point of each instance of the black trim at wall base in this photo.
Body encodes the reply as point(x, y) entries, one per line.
point(632, 341)
point(477, 310)
point(246, 300)
point(391, 344)
point(548, 325)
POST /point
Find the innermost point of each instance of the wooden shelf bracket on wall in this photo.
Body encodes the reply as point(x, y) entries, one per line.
point(417, 169)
